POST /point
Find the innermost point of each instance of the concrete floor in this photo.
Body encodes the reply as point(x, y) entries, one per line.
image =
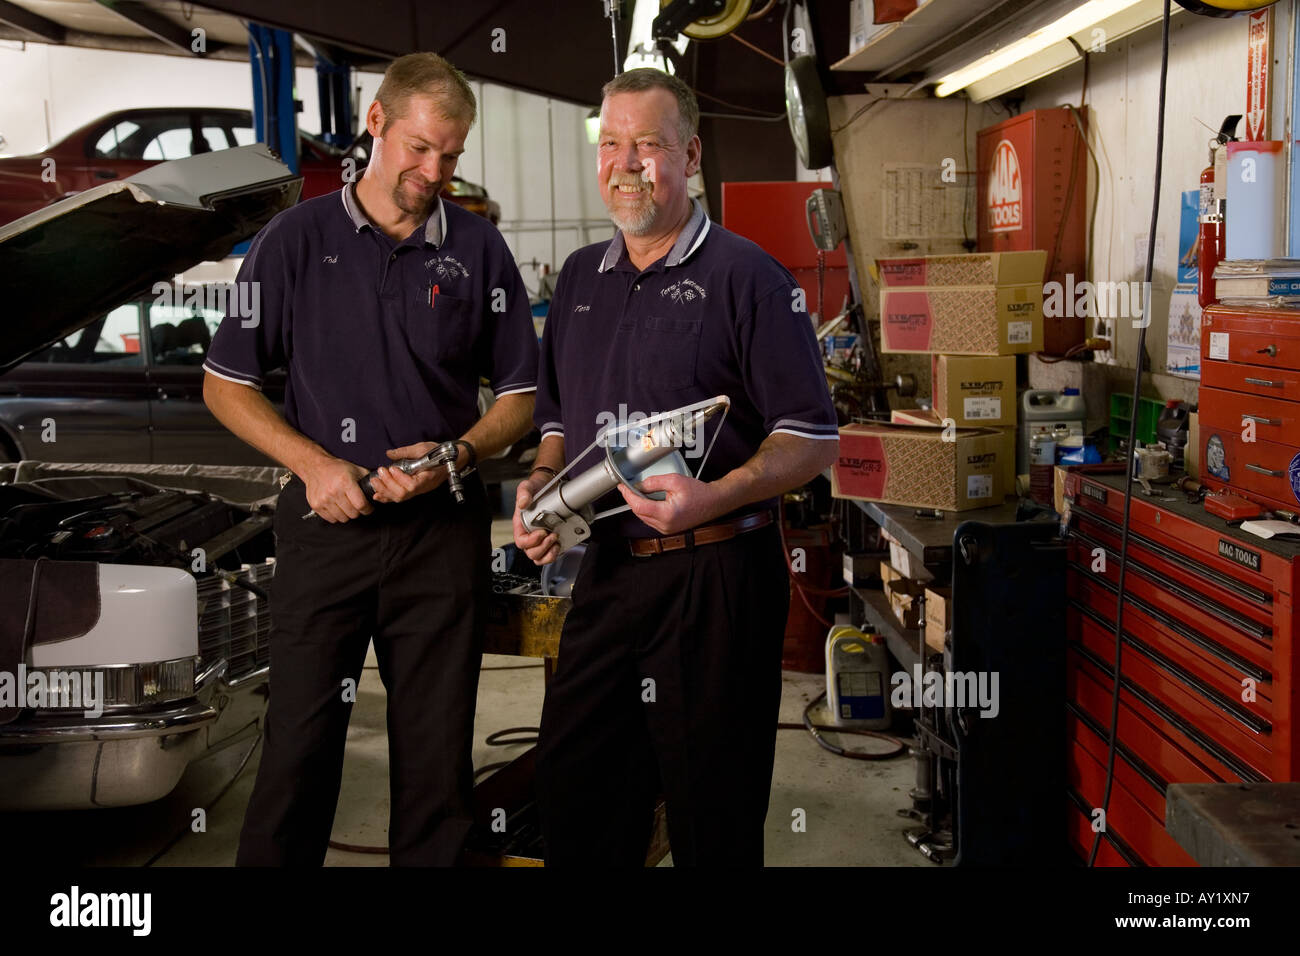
point(850, 806)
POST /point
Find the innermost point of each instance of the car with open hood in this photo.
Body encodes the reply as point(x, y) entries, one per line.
point(134, 602)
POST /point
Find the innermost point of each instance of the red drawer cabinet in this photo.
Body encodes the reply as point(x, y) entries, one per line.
point(1250, 377)
point(1209, 613)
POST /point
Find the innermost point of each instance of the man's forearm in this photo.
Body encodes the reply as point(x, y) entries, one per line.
point(507, 421)
point(781, 463)
point(550, 453)
point(251, 417)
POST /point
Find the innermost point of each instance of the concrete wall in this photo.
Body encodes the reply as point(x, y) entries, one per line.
point(1206, 81)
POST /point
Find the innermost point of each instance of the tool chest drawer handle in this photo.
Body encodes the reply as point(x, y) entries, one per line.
point(1265, 382)
point(1261, 419)
point(1265, 471)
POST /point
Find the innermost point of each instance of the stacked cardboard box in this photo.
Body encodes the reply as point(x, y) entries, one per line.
point(982, 303)
point(904, 595)
point(973, 314)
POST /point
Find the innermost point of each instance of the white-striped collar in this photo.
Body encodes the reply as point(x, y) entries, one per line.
point(435, 227)
point(688, 240)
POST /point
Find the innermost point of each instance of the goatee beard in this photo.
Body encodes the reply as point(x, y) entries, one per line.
point(635, 223)
point(420, 209)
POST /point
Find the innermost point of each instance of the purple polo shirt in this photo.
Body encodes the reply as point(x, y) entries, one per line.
point(716, 316)
point(371, 363)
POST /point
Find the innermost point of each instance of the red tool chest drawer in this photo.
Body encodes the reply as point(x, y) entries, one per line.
point(1268, 338)
point(1209, 685)
point(1275, 419)
point(1250, 403)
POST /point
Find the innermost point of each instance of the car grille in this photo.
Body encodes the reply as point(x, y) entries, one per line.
point(234, 623)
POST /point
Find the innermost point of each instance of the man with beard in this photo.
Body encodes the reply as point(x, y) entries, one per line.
point(669, 668)
point(385, 304)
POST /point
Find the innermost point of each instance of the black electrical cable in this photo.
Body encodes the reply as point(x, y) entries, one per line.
point(166, 847)
point(814, 729)
point(1132, 439)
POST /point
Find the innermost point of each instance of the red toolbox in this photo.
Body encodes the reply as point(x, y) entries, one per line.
point(1250, 403)
point(1209, 684)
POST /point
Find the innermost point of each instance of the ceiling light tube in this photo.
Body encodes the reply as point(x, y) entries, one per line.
point(1077, 20)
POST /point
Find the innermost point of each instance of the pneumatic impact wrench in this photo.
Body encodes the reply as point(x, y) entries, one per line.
point(443, 455)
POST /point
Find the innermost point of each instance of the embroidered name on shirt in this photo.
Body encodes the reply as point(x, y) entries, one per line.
point(446, 267)
point(582, 308)
point(686, 290)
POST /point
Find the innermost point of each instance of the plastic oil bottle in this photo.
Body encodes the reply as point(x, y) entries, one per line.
point(857, 679)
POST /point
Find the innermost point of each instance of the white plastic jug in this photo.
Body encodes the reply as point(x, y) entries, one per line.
point(857, 679)
point(1044, 412)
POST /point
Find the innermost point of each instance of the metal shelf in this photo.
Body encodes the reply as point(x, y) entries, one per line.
point(901, 643)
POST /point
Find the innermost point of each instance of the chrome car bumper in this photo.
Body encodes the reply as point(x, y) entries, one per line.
point(62, 762)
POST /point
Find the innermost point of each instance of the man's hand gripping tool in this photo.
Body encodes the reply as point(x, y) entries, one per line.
point(443, 455)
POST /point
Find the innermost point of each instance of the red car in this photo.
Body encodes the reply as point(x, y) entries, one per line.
point(123, 143)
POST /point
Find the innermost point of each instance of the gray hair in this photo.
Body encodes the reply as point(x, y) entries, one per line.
point(642, 80)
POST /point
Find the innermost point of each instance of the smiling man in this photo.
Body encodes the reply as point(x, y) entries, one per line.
point(385, 304)
point(669, 669)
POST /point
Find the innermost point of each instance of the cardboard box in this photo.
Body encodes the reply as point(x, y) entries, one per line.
point(903, 594)
point(938, 616)
point(965, 320)
point(860, 569)
point(923, 467)
point(975, 389)
point(901, 559)
point(1192, 453)
point(973, 269)
point(930, 419)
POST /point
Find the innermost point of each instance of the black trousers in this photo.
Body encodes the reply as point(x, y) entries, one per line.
point(668, 679)
point(416, 576)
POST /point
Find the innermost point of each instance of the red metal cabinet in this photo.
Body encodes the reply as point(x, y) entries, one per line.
point(1250, 403)
point(1209, 683)
point(1023, 173)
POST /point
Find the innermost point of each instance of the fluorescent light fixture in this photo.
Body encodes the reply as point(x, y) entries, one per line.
point(641, 52)
point(1048, 49)
point(593, 126)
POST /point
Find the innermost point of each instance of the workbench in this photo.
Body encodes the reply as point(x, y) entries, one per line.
point(1236, 824)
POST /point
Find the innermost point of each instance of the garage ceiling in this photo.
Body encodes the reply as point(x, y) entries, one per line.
point(560, 49)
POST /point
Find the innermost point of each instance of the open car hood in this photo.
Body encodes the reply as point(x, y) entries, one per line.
point(64, 265)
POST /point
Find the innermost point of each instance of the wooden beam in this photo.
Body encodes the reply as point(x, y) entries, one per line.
point(38, 26)
point(154, 23)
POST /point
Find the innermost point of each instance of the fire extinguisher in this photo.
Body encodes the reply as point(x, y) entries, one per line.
point(1212, 241)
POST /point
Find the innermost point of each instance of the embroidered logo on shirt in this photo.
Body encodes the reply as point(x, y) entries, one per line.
point(331, 259)
point(684, 291)
point(446, 267)
point(582, 308)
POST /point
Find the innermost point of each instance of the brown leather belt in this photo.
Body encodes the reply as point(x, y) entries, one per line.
point(708, 534)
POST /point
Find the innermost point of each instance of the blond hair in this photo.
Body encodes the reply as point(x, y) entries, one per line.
point(430, 75)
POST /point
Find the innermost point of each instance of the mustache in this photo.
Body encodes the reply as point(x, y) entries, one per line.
point(637, 181)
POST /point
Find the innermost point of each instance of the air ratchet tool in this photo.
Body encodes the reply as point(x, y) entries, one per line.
point(443, 455)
